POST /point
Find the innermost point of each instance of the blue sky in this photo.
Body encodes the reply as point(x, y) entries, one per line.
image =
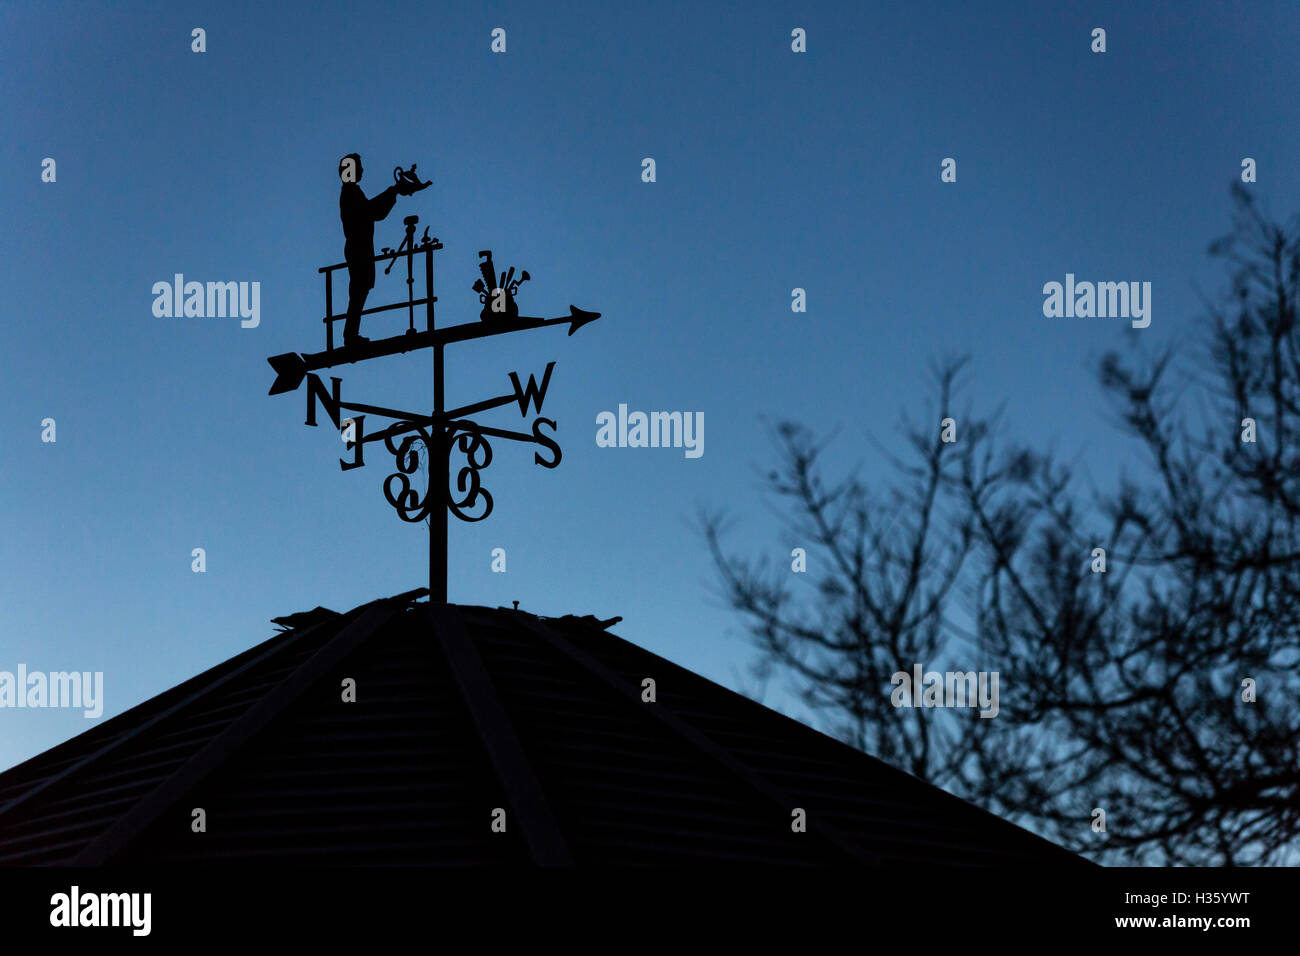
point(774, 171)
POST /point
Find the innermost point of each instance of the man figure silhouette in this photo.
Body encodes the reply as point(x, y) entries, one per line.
point(359, 216)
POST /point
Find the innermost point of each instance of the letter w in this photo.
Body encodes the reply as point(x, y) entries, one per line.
point(532, 393)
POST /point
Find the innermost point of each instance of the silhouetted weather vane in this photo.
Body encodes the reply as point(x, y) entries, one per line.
point(444, 432)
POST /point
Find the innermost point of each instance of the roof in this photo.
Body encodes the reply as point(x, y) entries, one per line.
point(461, 712)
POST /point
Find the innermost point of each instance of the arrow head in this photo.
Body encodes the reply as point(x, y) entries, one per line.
point(289, 369)
point(580, 317)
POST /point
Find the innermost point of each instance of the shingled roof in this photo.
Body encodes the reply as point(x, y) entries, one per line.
point(460, 711)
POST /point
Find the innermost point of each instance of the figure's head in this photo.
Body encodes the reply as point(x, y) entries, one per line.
point(350, 168)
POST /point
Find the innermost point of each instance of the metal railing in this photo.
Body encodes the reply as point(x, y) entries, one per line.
point(427, 248)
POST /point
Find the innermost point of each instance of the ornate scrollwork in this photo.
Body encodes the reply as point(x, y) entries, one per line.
point(468, 492)
point(474, 446)
point(408, 503)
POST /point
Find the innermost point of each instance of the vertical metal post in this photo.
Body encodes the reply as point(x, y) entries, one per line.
point(410, 287)
point(438, 514)
point(329, 309)
point(408, 242)
point(428, 289)
point(438, 460)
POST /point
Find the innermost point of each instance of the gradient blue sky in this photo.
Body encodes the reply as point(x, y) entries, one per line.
point(775, 170)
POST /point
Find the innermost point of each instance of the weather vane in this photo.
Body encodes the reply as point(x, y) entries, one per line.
point(443, 433)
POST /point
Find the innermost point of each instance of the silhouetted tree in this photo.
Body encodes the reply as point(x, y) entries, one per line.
point(1130, 693)
point(881, 574)
point(1123, 691)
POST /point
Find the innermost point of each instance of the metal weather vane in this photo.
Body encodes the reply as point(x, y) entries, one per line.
point(444, 434)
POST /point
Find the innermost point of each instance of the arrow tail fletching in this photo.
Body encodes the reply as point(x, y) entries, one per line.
point(289, 370)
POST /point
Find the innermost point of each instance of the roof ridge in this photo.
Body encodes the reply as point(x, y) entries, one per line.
point(698, 739)
point(247, 725)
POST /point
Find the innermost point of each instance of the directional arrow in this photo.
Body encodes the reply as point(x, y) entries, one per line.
point(576, 318)
point(291, 367)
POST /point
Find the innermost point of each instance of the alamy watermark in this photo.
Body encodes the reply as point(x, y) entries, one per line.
point(923, 688)
point(82, 689)
point(1104, 300)
point(653, 430)
point(213, 300)
point(133, 911)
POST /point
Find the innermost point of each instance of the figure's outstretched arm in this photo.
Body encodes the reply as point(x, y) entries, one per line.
point(382, 204)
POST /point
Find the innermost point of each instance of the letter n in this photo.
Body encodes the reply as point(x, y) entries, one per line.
point(316, 390)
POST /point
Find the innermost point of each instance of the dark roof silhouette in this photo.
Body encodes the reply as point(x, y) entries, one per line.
point(461, 710)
